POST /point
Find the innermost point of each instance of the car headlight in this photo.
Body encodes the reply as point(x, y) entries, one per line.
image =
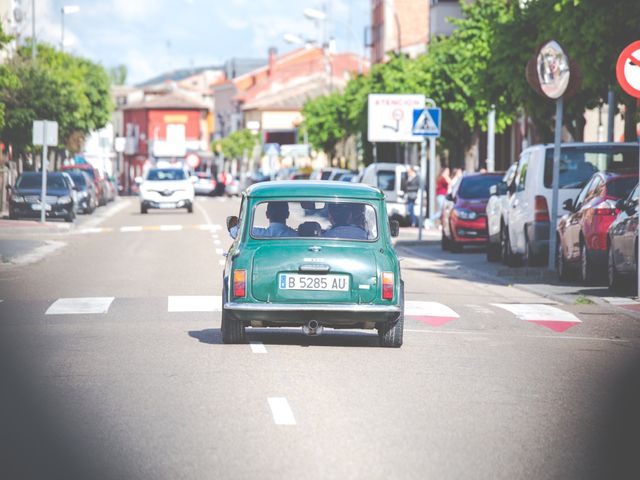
point(64, 199)
point(17, 199)
point(465, 214)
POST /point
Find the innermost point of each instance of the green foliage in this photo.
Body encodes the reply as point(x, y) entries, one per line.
point(70, 90)
point(118, 75)
point(237, 144)
point(326, 120)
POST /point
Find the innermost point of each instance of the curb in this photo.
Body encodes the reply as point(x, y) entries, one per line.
point(560, 298)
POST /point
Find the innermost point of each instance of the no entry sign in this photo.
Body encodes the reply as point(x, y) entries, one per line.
point(628, 69)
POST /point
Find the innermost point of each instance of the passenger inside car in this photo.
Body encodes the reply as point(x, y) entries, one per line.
point(277, 213)
point(347, 220)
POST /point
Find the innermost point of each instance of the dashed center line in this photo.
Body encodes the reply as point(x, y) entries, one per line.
point(170, 228)
point(131, 229)
point(219, 251)
point(216, 242)
point(257, 347)
point(281, 411)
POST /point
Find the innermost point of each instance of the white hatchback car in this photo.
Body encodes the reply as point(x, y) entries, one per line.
point(166, 188)
point(526, 234)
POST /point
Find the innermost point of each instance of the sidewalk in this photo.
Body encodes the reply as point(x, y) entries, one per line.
point(472, 265)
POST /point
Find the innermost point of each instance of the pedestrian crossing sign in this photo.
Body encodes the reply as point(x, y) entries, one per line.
point(426, 121)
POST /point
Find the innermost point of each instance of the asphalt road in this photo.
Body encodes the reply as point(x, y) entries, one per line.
point(491, 382)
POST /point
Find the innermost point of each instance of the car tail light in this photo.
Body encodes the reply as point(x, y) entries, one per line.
point(387, 285)
point(606, 208)
point(541, 211)
point(239, 283)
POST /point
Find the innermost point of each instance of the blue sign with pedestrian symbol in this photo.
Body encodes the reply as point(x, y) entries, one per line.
point(426, 121)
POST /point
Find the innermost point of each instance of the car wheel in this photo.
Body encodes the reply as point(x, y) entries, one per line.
point(390, 335)
point(613, 277)
point(233, 331)
point(587, 270)
point(530, 258)
point(190, 208)
point(493, 252)
point(508, 257)
point(69, 218)
point(143, 209)
point(12, 215)
point(454, 246)
point(563, 270)
point(444, 241)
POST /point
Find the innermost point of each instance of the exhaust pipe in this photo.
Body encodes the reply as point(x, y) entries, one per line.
point(312, 328)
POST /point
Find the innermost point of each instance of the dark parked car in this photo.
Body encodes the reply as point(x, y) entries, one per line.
point(24, 196)
point(464, 216)
point(622, 244)
point(95, 176)
point(86, 196)
point(582, 234)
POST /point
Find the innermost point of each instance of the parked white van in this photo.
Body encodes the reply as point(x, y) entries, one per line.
point(527, 232)
point(391, 178)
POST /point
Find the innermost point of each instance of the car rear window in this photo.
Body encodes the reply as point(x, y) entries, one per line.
point(477, 186)
point(621, 187)
point(166, 174)
point(296, 219)
point(579, 163)
point(387, 180)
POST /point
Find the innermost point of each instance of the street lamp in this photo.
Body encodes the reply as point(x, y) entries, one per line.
point(66, 10)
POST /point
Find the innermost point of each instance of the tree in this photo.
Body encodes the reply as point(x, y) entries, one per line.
point(237, 144)
point(8, 79)
point(325, 121)
point(118, 75)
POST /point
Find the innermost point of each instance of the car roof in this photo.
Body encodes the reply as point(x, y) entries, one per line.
point(312, 188)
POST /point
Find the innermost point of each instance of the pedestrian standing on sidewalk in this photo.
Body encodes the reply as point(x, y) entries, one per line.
point(442, 188)
point(411, 191)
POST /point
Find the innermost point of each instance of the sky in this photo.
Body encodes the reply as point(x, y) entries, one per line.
point(151, 37)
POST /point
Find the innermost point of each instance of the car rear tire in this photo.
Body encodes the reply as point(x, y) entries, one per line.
point(70, 218)
point(190, 208)
point(233, 331)
point(508, 257)
point(563, 268)
point(143, 209)
point(614, 281)
point(390, 335)
point(493, 252)
point(530, 258)
point(587, 270)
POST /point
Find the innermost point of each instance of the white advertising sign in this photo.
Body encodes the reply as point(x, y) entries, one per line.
point(42, 128)
point(391, 117)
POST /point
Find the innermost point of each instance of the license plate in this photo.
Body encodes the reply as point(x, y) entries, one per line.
point(167, 205)
point(330, 283)
point(38, 206)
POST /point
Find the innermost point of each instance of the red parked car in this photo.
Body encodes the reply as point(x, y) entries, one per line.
point(464, 216)
point(582, 234)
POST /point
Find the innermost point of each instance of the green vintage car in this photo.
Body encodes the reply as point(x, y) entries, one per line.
point(312, 254)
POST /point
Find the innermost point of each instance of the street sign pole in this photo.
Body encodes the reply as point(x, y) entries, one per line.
point(491, 140)
point(423, 169)
point(44, 173)
point(556, 180)
point(432, 176)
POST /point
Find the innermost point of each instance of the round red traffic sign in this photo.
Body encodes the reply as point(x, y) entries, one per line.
point(628, 69)
point(193, 160)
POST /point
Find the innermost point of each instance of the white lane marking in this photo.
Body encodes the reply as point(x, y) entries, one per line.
point(281, 411)
point(120, 204)
point(170, 228)
point(205, 227)
point(480, 309)
point(219, 251)
point(92, 230)
point(544, 315)
point(216, 242)
point(257, 347)
point(620, 301)
point(222, 262)
point(194, 303)
point(131, 229)
point(37, 254)
point(84, 305)
point(538, 312)
point(512, 335)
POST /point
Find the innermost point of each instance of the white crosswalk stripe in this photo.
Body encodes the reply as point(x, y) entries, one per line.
point(433, 313)
point(545, 315)
point(194, 303)
point(85, 305)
